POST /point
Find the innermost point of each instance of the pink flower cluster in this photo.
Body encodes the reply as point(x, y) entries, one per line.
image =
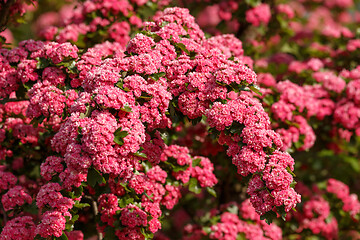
point(341, 191)
point(347, 110)
point(108, 113)
point(16, 196)
point(315, 213)
point(259, 14)
point(294, 102)
point(230, 225)
point(19, 228)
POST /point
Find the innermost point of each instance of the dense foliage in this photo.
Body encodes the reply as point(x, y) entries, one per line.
point(165, 119)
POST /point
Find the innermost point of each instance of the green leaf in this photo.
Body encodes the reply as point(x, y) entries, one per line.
point(206, 230)
point(72, 67)
point(281, 212)
point(124, 201)
point(211, 191)
point(63, 237)
point(119, 135)
point(298, 144)
point(255, 89)
point(353, 162)
point(193, 55)
point(75, 218)
point(124, 185)
point(94, 177)
point(77, 192)
point(146, 234)
point(236, 128)
point(182, 47)
point(193, 186)
point(196, 162)
point(126, 108)
point(177, 168)
point(120, 84)
point(291, 172)
point(140, 154)
point(268, 217)
point(292, 185)
point(157, 76)
point(42, 63)
point(292, 124)
point(81, 205)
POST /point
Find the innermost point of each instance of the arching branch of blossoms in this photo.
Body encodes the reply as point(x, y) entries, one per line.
point(129, 123)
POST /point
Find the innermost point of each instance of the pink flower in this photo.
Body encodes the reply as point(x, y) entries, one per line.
point(8, 180)
point(258, 15)
point(52, 224)
point(133, 216)
point(16, 196)
point(19, 228)
point(154, 225)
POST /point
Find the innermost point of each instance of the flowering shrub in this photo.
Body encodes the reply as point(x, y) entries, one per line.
point(126, 120)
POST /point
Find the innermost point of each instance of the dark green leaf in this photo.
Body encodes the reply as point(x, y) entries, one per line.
point(177, 168)
point(182, 47)
point(119, 84)
point(157, 76)
point(268, 217)
point(77, 192)
point(94, 177)
point(211, 191)
point(42, 63)
point(298, 144)
point(119, 135)
point(31, 208)
point(281, 212)
point(195, 121)
point(193, 186)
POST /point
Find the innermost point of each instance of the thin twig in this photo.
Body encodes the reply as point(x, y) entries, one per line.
point(3, 101)
point(5, 218)
point(96, 212)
